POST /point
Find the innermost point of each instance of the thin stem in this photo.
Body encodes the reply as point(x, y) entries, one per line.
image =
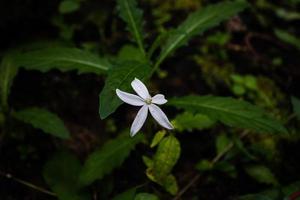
point(216, 159)
point(28, 184)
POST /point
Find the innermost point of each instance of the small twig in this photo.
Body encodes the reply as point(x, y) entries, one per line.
point(213, 161)
point(28, 184)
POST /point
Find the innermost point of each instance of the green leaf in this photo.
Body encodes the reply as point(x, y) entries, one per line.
point(61, 174)
point(168, 182)
point(68, 6)
point(110, 156)
point(261, 174)
point(198, 22)
point(166, 157)
point(296, 106)
point(232, 112)
point(62, 58)
point(120, 77)
point(157, 138)
point(44, 120)
point(127, 195)
point(204, 165)
point(188, 121)
point(8, 72)
point(133, 16)
point(222, 143)
point(145, 196)
point(129, 52)
point(288, 38)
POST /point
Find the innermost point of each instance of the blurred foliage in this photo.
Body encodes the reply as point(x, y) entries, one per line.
point(238, 63)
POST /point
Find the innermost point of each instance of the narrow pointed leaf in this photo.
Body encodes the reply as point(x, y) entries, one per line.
point(63, 59)
point(198, 22)
point(120, 77)
point(106, 159)
point(232, 112)
point(133, 16)
point(43, 119)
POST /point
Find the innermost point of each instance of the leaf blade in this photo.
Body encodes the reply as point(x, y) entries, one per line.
point(110, 156)
point(198, 22)
point(119, 77)
point(42, 119)
point(62, 58)
point(133, 16)
point(232, 112)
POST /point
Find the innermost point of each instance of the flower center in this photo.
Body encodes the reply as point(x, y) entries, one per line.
point(148, 101)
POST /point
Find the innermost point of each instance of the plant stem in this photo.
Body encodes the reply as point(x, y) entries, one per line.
point(28, 184)
point(216, 159)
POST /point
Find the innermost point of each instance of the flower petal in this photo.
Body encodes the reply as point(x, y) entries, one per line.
point(140, 88)
point(160, 116)
point(139, 120)
point(159, 99)
point(130, 98)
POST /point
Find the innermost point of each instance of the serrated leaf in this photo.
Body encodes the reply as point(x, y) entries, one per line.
point(232, 112)
point(189, 121)
point(61, 174)
point(127, 195)
point(198, 22)
point(296, 106)
point(106, 159)
point(261, 174)
point(166, 157)
point(146, 196)
point(63, 59)
point(133, 16)
point(120, 77)
point(8, 72)
point(43, 119)
point(157, 138)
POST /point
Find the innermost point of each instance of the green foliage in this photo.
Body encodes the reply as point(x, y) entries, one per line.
point(127, 195)
point(198, 22)
point(119, 77)
point(110, 156)
point(146, 196)
point(296, 106)
point(229, 111)
point(129, 52)
point(159, 169)
point(8, 72)
point(288, 38)
point(68, 6)
point(188, 121)
point(61, 174)
point(62, 58)
point(166, 157)
point(133, 16)
point(261, 174)
point(44, 120)
point(222, 143)
point(157, 138)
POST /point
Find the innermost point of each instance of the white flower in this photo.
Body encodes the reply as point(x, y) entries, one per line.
point(148, 103)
